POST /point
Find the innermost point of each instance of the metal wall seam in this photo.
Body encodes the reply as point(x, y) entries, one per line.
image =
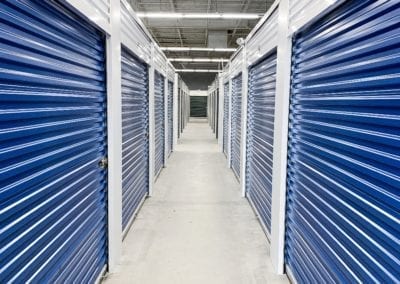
point(344, 146)
point(52, 136)
point(135, 129)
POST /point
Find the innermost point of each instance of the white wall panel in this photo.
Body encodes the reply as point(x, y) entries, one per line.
point(97, 11)
point(264, 39)
point(133, 36)
point(302, 12)
point(160, 61)
point(236, 65)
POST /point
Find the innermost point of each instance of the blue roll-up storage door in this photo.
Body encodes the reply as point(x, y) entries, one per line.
point(170, 116)
point(52, 137)
point(135, 144)
point(226, 119)
point(159, 122)
point(260, 137)
point(343, 201)
point(216, 104)
point(236, 122)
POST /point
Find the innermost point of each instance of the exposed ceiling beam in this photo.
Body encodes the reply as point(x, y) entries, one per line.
point(207, 49)
point(198, 70)
point(216, 16)
point(198, 59)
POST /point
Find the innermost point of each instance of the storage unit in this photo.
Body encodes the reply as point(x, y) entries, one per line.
point(260, 137)
point(53, 145)
point(159, 122)
point(236, 124)
point(135, 129)
point(216, 108)
point(198, 106)
point(170, 116)
point(226, 119)
point(343, 204)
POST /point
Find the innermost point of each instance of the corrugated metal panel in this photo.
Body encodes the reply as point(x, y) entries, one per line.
point(170, 116)
point(343, 202)
point(52, 137)
point(159, 122)
point(236, 124)
point(170, 72)
point(236, 65)
point(260, 137)
point(135, 127)
point(226, 118)
point(97, 11)
point(198, 106)
point(264, 40)
point(302, 12)
point(102, 7)
point(132, 34)
point(160, 62)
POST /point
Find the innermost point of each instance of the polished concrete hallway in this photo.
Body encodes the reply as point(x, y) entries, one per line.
point(196, 228)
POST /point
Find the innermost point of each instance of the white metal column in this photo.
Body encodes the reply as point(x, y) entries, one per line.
point(280, 138)
point(114, 129)
point(151, 123)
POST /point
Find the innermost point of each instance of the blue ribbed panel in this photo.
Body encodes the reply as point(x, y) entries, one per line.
point(135, 127)
point(52, 137)
point(216, 110)
point(343, 201)
point(236, 123)
point(260, 137)
point(226, 119)
point(159, 122)
point(170, 116)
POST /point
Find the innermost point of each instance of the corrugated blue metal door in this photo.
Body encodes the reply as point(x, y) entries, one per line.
point(135, 127)
point(52, 137)
point(226, 119)
point(170, 116)
point(236, 124)
point(216, 110)
point(260, 137)
point(159, 122)
point(343, 206)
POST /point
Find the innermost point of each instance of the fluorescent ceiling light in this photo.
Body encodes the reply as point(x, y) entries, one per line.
point(198, 70)
point(162, 15)
point(209, 49)
point(198, 60)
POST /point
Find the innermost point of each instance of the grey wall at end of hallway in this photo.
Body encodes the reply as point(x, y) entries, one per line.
point(198, 81)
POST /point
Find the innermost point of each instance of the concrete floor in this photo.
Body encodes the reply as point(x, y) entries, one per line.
point(196, 228)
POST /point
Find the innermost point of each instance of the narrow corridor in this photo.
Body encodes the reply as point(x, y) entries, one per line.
point(196, 228)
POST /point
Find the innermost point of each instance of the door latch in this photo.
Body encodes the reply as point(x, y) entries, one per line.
point(103, 163)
